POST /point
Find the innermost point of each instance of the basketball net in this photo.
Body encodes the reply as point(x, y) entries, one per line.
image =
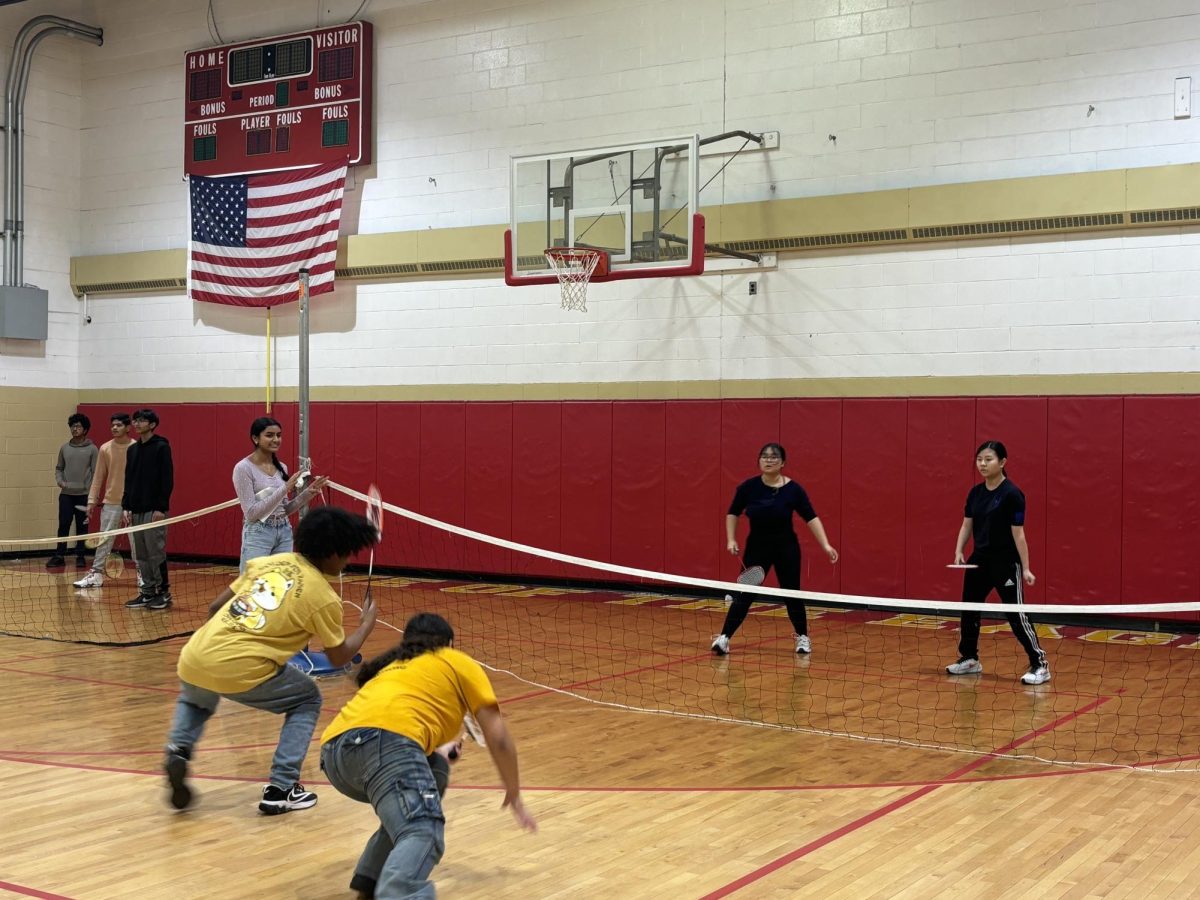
point(574, 267)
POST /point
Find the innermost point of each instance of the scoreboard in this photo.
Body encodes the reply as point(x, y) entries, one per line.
point(279, 103)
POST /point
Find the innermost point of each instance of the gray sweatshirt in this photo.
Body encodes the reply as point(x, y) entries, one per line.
point(75, 467)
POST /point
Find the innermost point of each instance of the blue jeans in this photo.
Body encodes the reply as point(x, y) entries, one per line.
point(390, 772)
point(289, 691)
point(263, 539)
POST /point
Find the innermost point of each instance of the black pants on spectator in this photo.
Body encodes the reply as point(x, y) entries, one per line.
point(66, 514)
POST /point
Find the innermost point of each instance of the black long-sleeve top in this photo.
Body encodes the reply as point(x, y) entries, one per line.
point(149, 476)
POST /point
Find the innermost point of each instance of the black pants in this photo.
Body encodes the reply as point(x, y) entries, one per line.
point(1003, 576)
point(782, 555)
point(66, 513)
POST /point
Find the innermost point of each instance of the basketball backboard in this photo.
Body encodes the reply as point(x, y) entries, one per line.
point(637, 202)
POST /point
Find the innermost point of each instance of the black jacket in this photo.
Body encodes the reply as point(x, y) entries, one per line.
point(149, 476)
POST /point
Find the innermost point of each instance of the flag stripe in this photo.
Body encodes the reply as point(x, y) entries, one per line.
point(268, 281)
point(251, 235)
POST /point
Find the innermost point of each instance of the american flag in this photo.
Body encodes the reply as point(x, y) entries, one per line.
point(251, 235)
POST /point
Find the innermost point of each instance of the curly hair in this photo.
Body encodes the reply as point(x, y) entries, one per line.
point(332, 531)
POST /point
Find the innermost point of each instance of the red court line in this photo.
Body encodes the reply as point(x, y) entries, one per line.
point(58, 677)
point(873, 816)
point(31, 892)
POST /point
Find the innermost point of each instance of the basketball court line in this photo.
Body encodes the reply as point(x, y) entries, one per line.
point(887, 809)
point(30, 892)
point(948, 781)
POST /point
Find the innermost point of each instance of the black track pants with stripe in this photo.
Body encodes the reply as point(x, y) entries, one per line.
point(1003, 576)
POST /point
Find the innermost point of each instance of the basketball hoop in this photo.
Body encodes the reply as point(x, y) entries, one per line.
point(574, 267)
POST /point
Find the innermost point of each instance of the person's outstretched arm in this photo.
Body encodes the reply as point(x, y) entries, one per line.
point(504, 754)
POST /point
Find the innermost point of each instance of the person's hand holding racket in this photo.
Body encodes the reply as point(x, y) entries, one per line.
point(831, 552)
point(732, 546)
point(1030, 578)
point(369, 613)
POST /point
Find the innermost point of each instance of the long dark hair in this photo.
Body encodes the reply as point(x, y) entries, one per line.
point(257, 427)
point(423, 633)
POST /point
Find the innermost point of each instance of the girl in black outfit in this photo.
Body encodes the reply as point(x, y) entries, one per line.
point(995, 518)
point(768, 500)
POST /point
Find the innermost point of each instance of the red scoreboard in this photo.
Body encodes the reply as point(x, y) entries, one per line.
point(279, 103)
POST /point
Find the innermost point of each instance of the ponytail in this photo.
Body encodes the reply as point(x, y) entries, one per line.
point(423, 633)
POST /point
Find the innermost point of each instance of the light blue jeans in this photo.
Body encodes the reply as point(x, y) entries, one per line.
point(390, 772)
point(288, 692)
point(263, 539)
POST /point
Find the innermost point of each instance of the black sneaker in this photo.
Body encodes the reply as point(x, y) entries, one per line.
point(276, 800)
point(81, 562)
point(159, 601)
point(141, 601)
point(176, 767)
point(55, 562)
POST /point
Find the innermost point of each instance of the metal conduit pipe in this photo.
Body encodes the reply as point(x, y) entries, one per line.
point(19, 65)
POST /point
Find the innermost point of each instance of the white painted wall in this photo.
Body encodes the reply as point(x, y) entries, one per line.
point(53, 113)
point(917, 93)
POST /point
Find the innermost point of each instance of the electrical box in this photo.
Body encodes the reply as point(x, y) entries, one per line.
point(24, 312)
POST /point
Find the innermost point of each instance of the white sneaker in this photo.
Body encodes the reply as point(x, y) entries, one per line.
point(965, 667)
point(803, 644)
point(90, 580)
point(1036, 675)
point(728, 599)
point(720, 645)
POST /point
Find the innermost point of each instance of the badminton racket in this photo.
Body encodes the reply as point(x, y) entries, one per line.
point(473, 729)
point(375, 517)
point(752, 575)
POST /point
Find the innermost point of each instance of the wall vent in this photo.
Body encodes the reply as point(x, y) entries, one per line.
point(1154, 216)
point(1019, 226)
point(132, 287)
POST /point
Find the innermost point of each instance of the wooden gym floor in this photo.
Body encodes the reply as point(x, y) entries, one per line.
point(630, 805)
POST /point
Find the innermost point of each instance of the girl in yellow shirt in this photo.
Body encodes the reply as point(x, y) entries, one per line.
point(411, 700)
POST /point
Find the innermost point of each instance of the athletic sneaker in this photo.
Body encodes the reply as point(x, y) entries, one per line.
point(1036, 675)
point(141, 601)
point(55, 562)
point(965, 667)
point(160, 601)
point(80, 562)
point(803, 644)
point(176, 767)
point(276, 800)
point(728, 599)
point(720, 645)
point(90, 580)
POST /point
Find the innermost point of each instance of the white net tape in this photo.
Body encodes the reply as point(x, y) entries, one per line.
point(574, 267)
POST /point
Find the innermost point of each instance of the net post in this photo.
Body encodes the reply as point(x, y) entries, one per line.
point(302, 412)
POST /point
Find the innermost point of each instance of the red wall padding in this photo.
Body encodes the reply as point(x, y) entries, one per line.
point(1112, 488)
point(874, 457)
point(1083, 505)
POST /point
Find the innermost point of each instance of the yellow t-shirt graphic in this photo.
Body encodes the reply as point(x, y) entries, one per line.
point(278, 605)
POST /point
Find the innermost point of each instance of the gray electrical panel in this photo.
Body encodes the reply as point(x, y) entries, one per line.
point(24, 312)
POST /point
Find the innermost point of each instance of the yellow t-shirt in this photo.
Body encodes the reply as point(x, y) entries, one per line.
point(278, 605)
point(424, 698)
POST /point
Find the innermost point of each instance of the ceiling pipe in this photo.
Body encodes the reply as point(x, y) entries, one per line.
point(19, 65)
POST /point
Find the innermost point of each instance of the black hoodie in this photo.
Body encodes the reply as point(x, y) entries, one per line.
point(149, 476)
